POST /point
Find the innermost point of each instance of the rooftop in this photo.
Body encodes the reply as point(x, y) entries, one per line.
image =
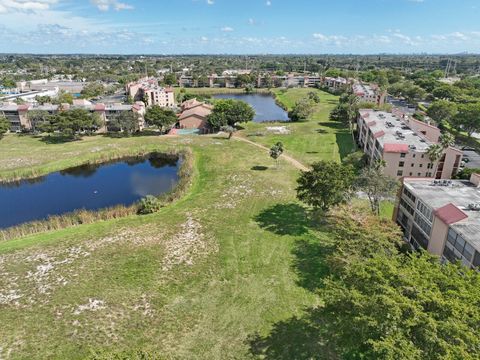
point(452, 200)
point(362, 89)
point(393, 133)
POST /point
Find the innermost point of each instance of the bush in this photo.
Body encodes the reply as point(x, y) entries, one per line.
point(149, 205)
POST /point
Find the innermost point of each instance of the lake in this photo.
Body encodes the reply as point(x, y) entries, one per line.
point(264, 105)
point(90, 187)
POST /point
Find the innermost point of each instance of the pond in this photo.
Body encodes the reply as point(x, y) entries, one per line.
point(264, 105)
point(90, 187)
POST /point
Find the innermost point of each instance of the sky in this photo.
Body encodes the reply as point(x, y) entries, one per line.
point(239, 26)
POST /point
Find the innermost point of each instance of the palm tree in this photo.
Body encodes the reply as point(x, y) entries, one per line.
point(434, 153)
point(446, 140)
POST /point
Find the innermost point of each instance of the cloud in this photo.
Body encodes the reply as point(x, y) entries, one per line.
point(268, 3)
point(7, 6)
point(227, 29)
point(210, 2)
point(105, 5)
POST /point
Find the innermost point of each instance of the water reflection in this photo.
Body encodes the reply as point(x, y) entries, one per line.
point(90, 187)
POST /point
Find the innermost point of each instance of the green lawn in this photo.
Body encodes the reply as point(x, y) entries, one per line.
point(193, 281)
point(308, 141)
point(199, 279)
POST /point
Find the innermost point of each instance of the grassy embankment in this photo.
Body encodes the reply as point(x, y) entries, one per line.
point(231, 258)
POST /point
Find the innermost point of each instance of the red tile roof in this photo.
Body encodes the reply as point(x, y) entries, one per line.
point(379, 134)
point(395, 148)
point(372, 123)
point(137, 106)
point(99, 107)
point(450, 214)
point(23, 107)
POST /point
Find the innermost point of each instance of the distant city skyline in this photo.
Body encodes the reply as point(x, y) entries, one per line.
point(239, 27)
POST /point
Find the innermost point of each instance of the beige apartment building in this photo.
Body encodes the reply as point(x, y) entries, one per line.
point(369, 93)
point(147, 89)
point(17, 115)
point(402, 142)
point(442, 217)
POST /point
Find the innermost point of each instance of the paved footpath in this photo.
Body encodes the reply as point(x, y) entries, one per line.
point(290, 159)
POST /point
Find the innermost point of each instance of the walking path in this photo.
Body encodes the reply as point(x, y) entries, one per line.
point(290, 159)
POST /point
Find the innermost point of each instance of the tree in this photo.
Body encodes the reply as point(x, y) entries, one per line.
point(93, 89)
point(276, 151)
point(376, 185)
point(230, 130)
point(161, 118)
point(346, 111)
point(326, 185)
point(434, 153)
point(442, 110)
point(4, 125)
point(384, 303)
point(170, 79)
point(43, 99)
point(446, 92)
point(71, 122)
point(301, 111)
point(446, 140)
point(468, 118)
point(230, 112)
point(358, 160)
point(37, 117)
point(64, 97)
point(8, 83)
point(313, 96)
point(126, 122)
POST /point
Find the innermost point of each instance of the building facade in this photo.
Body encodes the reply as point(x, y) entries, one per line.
point(148, 90)
point(442, 217)
point(19, 120)
point(402, 142)
point(369, 93)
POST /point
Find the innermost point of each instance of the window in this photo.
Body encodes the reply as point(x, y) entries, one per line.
point(413, 164)
point(423, 224)
point(411, 174)
point(419, 239)
point(399, 173)
point(423, 156)
point(402, 155)
point(401, 164)
point(419, 174)
point(409, 195)
point(407, 207)
point(421, 165)
point(456, 248)
point(414, 155)
point(425, 210)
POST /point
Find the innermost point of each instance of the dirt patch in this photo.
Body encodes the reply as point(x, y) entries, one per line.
point(187, 245)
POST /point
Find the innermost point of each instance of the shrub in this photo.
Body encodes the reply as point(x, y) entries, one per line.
point(149, 205)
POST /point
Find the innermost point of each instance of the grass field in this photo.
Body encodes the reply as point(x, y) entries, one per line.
point(308, 141)
point(198, 280)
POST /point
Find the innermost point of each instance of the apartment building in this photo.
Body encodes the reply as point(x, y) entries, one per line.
point(442, 217)
point(335, 83)
point(369, 93)
point(147, 89)
point(19, 120)
point(402, 142)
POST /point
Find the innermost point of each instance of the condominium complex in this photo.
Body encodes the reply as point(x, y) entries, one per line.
point(402, 142)
point(19, 120)
point(148, 90)
point(369, 93)
point(442, 217)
